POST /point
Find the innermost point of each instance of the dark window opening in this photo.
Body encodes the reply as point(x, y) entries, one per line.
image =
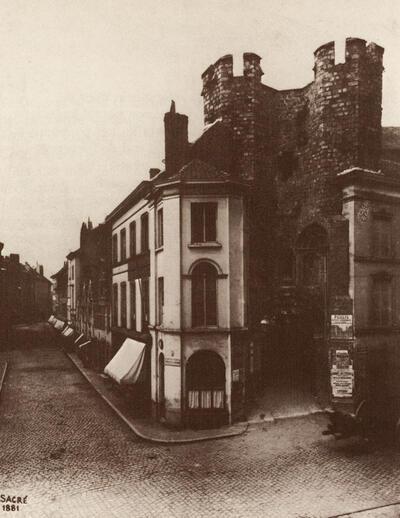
point(160, 228)
point(204, 295)
point(160, 300)
point(313, 269)
point(132, 239)
point(123, 244)
point(382, 243)
point(115, 248)
point(301, 126)
point(133, 305)
point(144, 235)
point(145, 303)
point(287, 163)
point(204, 222)
point(311, 250)
point(123, 304)
point(381, 302)
point(115, 305)
point(287, 266)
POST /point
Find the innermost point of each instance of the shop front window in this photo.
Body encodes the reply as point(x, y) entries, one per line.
point(206, 381)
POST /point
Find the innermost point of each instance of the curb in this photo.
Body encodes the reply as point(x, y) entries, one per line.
point(3, 375)
point(136, 430)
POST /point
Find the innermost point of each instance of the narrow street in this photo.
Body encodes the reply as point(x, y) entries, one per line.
point(65, 450)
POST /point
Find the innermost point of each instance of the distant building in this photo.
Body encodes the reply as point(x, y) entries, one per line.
point(74, 270)
point(25, 293)
point(60, 291)
point(92, 286)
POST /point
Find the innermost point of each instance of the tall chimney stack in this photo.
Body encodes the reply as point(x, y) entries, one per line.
point(176, 140)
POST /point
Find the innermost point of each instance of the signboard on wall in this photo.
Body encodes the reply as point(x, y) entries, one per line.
point(342, 327)
point(342, 374)
point(236, 375)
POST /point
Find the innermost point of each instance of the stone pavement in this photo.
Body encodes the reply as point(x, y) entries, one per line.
point(66, 450)
point(146, 428)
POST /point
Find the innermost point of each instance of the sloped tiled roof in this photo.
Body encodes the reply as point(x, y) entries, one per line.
point(194, 170)
point(199, 170)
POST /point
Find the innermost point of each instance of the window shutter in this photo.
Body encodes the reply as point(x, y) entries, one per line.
point(210, 221)
point(197, 301)
point(197, 222)
point(211, 298)
point(132, 239)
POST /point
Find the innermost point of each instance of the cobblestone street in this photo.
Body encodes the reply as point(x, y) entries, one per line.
point(65, 449)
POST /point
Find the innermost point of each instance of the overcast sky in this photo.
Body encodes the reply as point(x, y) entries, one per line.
point(84, 85)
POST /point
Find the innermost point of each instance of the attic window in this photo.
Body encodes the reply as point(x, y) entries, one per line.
point(287, 163)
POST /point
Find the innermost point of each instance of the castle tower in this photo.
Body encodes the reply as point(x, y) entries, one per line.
point(347, 102)
point(234, 100)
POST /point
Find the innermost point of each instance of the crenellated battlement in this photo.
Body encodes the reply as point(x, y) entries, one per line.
point(222, 69)
point(357, 53)
point(336, 118)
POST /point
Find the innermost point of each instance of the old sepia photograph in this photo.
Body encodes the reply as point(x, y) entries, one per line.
point(200, 259)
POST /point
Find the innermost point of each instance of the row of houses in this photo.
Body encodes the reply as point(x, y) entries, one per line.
point(264, 256)
point(25, 294)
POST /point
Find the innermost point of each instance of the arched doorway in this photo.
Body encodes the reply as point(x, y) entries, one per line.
point(205, 390)
point(161, 386)
point(296, 323)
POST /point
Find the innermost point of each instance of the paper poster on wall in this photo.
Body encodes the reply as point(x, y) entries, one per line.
point(342, 326)
point(342, 374)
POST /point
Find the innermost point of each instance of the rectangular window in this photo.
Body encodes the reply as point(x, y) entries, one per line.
point(382, 238)
point(160, 300)
point(123, 245)
point(72, 272)
point(123, 304)
point(144, 233)
point(160, 228)
point(132, 239)
point(381, 303)
point(115, 248)
point(204, 222)
point(133, 305)
point(145, 303)
point(115, 305)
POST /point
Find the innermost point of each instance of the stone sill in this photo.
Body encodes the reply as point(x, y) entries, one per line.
point(206, 244)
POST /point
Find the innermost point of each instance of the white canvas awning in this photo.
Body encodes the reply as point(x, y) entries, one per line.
point(127, 364)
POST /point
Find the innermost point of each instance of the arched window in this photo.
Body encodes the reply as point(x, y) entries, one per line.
point(204, 295)
point(311, 248)
point(286, 265)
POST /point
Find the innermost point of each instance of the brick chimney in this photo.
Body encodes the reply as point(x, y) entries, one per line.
point(176, 140)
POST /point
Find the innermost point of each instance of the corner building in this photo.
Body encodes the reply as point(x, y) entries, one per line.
point(270, 262)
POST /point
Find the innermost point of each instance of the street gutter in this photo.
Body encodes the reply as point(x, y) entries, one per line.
point(155, 432)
